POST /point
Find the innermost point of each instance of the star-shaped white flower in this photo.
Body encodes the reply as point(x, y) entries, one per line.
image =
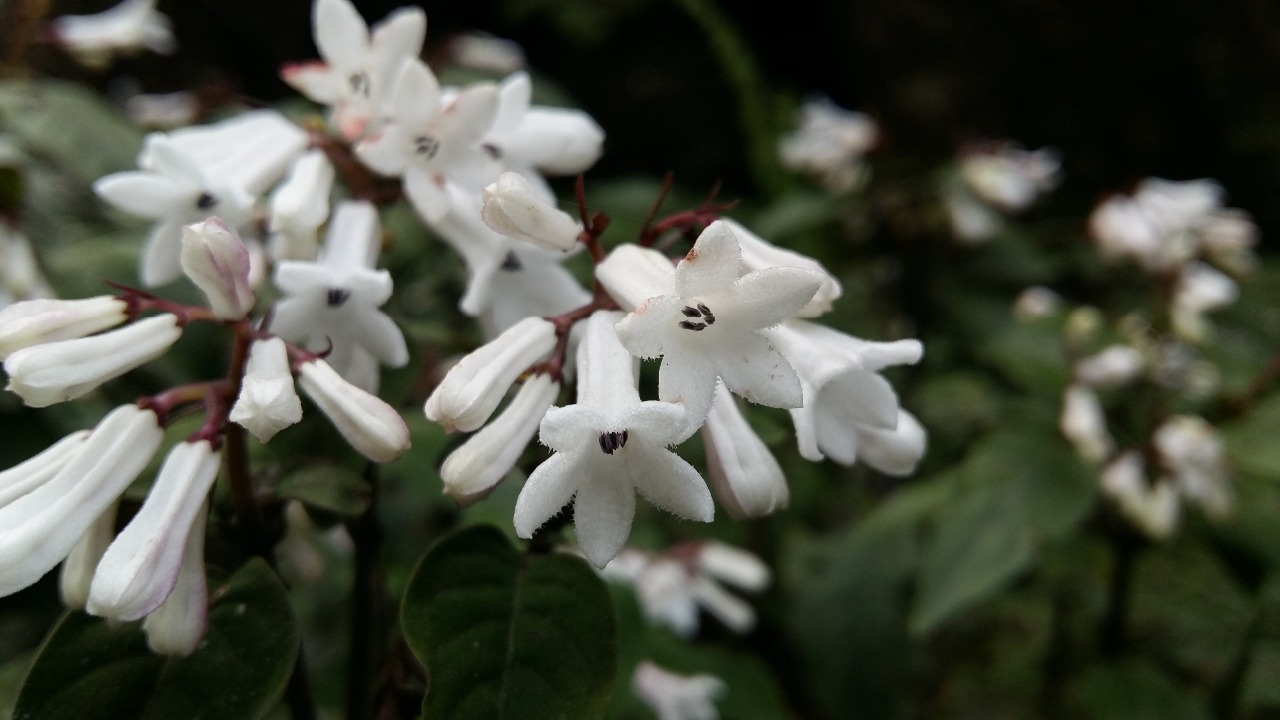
point(359, 67)
point(608, 447)
point(429, 143)
point(175, 192)
point(709, 326)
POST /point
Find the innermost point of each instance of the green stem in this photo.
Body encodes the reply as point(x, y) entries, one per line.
point(368, 592)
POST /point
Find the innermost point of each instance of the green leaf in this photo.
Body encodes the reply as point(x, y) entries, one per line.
point(1252, 440)
point(70, 125)
point(327, 486)
point(505, 635)
point(1134, 691)
point(88, 669)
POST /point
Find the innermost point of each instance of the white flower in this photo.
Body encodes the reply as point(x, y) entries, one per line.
point(745, 476)
point(334, 301)
point(373, 427)
point(1009, 177)
point(27, 476)
point(472, 470)
point(1036, 302)
point(299, 206)
point(163, 110)
point(1200, 289)
point(1114, 365)
point(609, 446)
point(481, 51)
point(830, 142)
point(845, 398)
point(1154, 509)
point(359, 67)
point(66, 369)
point(40, 528)
point(178, 625)
point(268, 402)
point(1084, 423)
point(429, 143)
point(514, 208)
point(531, 139)
point(1191, 450)
point(174, 192)
point(78, 567)
point(677, 697)
point(709, 325)
point(35, 322)
point(758, 254)
point(123, 28)
point(141, 566)
point(472, 389)
point(215, 259)
point(249, 151)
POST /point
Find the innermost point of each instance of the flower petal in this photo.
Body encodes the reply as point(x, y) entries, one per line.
point(863, 398)
point(669, 482)
point(758, 372)
point(385, 152)
point(764, 298)
point(713, 264)
point(568, 429)
point(341, 34)
point(602, 513)
point(399, 36)
point(690, 380)
point(645, 332)
point(549, 488)
point(316, 80)
point(161, 258)
point(425, 194)
point(379, 335)
point(145, 194)
point(416, 98)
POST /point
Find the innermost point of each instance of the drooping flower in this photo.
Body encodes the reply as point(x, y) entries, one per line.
point(370, 425)
point(708, 324)
point(1152, 508)
point(359, 66)
point(268, 402)
point(744, 475)
point(124, 28)
point(1112, 366)
point(608, 447)
point(333, 302)
point(677, 697)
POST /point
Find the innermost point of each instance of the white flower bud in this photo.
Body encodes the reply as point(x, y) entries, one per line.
point(268, 402)
point(758, 254)
point(78, 568)
point(40, 528)
point(473, 388)
point(26, 477)
point(218, 263)
point(1115, 365)
point(677, 697)
point(373, 427)
point(745, 476)
point(67, 369)
point(472, 470)
point(35, 322)
point(632, 274)
point(1084, 424)
point(300, 205)
point(178, 625)
point(516, 209)
point(734, 566)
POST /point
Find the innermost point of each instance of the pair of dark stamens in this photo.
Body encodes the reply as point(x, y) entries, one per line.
point(360, 84)
point(336, 296)
point(610, 442)
point(206, 201)
point(426, 146)
point(702, 312)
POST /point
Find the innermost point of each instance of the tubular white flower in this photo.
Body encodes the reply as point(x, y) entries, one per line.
point(373, 427)
point(123, 28)
point(82, 561)
point(758, 254)
point(632, 274)
point(178, 625)
point(514, 208)
point(1007, 176)
point(300, 205)
point(830, 142)
point(40, 528)
point(677, 697)
point(1191, 450)
point(66, 369)
point(473, 388)
point(532, 140)
point(27, 476)
point(249, 151)
point(734, 565)
point(745, 476)
point(141, 567)
point(268, 402)
point(1114, 365)
point(732, 611)
point(215, 259)
point(1084, 424)
point(477, 466)
point(34, 322)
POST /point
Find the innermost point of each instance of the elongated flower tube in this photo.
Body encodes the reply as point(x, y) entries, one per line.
point(472, 470)
point(178, 625)
point(745, 476)
point(78, 568)
point(141, 567)
point(39, 529)
point(27, 476)
point(373, 427)
point(36, 322)
point(268, 402)
point(218, 263)
point(473, 388)
point(516, 209)
point(67, 369)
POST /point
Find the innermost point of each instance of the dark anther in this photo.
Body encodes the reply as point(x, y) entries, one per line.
point(206, 201)
point(426, 146)
point(690, 312)
point(359, 84)
point(610, 442)
point(337, 296)
point(511, 263)
point(492, 150)
point(706, 312)
point(696, 327)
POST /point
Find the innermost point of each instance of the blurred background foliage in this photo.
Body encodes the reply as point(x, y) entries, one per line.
point(996, 582)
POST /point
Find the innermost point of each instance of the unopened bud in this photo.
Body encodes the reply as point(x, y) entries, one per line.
point(218, 263)
point(516, 209)
point(35, 322)
point(373, 427)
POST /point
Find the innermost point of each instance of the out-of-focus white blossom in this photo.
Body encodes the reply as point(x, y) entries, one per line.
point(20, 274)
point(370, 425)
point(268, 402)
point(1154, 509)
point(532, 140)
point(485, 52)
point(1200, 289)
point(830, 143)
point(995, 179)
point(162, 110)
point(35, 322)
point(1114, 365)
point(1084, 424)
point(124, 28)
point(1191, 451)
point(249, 151)
point(215, 259)
point(1036, 302)
point(677, 697)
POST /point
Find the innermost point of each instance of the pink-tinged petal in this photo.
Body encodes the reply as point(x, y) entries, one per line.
point(145, 194)
point(645, 333)
point(399, 36)
point(161, 258)
point(863, 398)
point(755, 370)
point(387, 153)
point(669, 482)
point(568, 429)
point(549, 488)
point(712, 265)
point(690, 380)
point(469, 117)
point(378, 334)
point(766, 297)
point(602, 513)
point(660, 424)
point(341, 34)
point(513, 101)
point(416, 97)
point(316, 80)
point(426, 194)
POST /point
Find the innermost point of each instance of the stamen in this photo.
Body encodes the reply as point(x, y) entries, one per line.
point(696, 327)
point(492, 150)
point(706, 312)
point(206, 201)
point(426, 146)
point(690, 312)
point(359, 84)
point(337, 296)
point(611, 442)
point(511, 263)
